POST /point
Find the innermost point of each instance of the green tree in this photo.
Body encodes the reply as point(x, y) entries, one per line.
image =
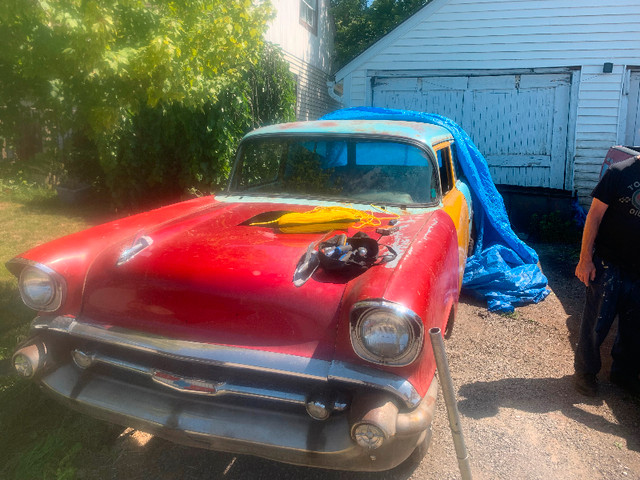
point(92, 71)
point(167, 148)
point(360, 23)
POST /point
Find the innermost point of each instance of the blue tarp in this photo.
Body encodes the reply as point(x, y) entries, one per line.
point(503, 270)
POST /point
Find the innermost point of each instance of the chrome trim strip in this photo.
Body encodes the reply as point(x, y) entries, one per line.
point(220, 355)
point(59, 281)
point(234, 357)
point(117, 363)
point(222, 388)
point(232, 428)
point(366, 377)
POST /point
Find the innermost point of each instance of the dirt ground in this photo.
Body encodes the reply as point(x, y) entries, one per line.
point(520, 415)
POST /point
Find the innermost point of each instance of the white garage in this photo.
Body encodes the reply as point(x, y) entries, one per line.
point(543, 87)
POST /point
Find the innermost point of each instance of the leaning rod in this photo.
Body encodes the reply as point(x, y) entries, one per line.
point(450, 401)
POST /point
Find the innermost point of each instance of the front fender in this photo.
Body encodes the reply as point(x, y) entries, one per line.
point(425, 279)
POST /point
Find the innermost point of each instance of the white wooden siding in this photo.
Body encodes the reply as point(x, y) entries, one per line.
point(308, 54)
point(471, 34)
point(295, 39)
point(356, 89)
point(313, 99)
point(595, 131)
point(502, 35)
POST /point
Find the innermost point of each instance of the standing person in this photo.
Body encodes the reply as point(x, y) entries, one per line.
point(609, 266)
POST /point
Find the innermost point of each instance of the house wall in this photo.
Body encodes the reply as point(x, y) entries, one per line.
point(308, 53)
point(312, 97)
point(495, 35)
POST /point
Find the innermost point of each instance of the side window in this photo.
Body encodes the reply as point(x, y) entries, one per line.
point(309, 15)
point(444, 165)
point(457, 170)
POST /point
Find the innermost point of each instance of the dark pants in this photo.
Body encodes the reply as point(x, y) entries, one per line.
point(613, 292)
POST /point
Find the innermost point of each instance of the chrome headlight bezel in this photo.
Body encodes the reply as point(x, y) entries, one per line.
point(412, 322)
point(57, 282)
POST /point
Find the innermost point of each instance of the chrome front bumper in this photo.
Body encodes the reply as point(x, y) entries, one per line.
point(274, 426)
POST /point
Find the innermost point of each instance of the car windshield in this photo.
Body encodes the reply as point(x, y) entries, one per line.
point(353, 170)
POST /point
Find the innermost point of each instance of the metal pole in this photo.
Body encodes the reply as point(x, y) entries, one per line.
point(450, 401)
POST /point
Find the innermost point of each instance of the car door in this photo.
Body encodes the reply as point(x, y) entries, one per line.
point(454, 200)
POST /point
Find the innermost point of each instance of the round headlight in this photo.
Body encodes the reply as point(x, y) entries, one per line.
point(40, 289)
point(386, 333)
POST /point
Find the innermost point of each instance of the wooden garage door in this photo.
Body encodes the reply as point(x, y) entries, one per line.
point(632, 136)
point(519, 122)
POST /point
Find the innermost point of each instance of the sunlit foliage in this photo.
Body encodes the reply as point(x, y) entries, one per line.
point(92, 72)
point(360, 23)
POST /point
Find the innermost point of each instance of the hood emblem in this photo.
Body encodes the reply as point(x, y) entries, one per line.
point(139, 244)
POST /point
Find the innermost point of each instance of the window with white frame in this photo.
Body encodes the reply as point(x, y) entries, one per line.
point(309, 14)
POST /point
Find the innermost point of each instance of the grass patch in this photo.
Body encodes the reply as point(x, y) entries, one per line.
point(40, 439)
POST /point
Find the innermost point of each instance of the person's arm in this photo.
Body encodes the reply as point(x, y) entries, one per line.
point(586, 270)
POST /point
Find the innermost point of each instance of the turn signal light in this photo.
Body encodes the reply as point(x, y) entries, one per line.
point(368, 436)
point(29, 360)
point(23, 365)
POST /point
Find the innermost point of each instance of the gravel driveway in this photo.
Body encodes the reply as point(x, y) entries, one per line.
point(520, 415)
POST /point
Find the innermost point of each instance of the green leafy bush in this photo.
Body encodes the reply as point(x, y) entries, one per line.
point(554, 228)
point(145, 95)
point(166, 149)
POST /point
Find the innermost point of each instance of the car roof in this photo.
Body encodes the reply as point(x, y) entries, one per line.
point(423, 133)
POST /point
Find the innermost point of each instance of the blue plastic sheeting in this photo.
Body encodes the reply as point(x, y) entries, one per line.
point(579, 213)
point(503, 270)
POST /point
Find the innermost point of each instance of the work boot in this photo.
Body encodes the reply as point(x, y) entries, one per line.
point(629, 383)
point(586, 384)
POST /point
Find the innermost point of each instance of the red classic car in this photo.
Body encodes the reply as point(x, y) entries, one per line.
point(284, 317)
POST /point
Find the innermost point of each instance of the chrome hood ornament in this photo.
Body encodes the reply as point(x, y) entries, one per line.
point(138, 245)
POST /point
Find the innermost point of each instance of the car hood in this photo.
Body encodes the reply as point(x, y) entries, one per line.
point(212, 277)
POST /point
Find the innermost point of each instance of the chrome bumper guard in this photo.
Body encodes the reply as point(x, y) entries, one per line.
point(198, 386)
point(200, 419)
point(193, 421)
point(233, 357)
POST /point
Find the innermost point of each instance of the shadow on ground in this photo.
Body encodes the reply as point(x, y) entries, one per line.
point(545, 395)
point(94, 210)
point(558, 262)
point(160, 459)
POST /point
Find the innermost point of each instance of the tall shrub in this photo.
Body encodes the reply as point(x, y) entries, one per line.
point(166, 148)
point(100, 74)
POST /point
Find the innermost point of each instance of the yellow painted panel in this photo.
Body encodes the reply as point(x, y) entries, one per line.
point(456, 207)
